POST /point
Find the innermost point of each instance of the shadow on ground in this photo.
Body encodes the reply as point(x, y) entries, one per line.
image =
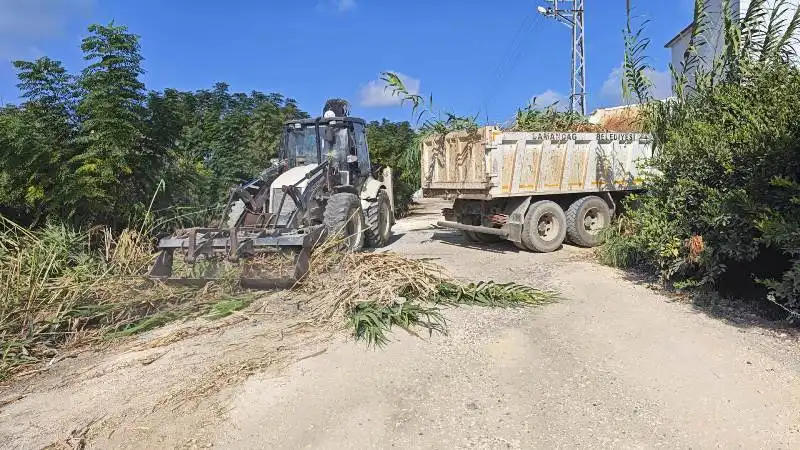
point(455, 238)
point(747, 308)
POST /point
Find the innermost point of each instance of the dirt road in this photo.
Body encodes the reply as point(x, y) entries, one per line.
point(613, 365)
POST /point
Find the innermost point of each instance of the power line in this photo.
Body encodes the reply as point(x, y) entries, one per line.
point(508, 62)
point(503, 61)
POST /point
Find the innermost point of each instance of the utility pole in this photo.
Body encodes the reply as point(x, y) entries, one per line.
point(573, 18)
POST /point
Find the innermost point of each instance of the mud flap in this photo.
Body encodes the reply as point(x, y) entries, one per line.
point(516, 210)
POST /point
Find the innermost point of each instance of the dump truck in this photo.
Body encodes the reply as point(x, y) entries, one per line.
point(535, 189)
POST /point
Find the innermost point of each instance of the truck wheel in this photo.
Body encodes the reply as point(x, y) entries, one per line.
point(545, 227)
point(520, 245)
point(378, 221)
point(586, 217)
point(344, 220)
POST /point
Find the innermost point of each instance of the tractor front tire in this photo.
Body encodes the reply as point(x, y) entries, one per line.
point(344, 220)
point(379, 221)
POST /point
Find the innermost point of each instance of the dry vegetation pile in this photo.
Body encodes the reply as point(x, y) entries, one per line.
point(63, 288)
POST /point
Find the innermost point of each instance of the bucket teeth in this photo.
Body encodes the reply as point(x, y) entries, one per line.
point(237, 245)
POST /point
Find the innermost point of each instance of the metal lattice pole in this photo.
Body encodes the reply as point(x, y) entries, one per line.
point(578, 59)
point(573, 18)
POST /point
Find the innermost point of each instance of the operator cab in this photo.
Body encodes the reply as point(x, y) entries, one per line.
point(342, 139)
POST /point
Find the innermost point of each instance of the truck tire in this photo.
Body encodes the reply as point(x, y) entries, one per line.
point(545, 227)
point(378, 221)
point(343, 219)
point(520, 245)
point(586, 217)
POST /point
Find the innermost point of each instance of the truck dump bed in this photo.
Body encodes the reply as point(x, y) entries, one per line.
point(492, 163)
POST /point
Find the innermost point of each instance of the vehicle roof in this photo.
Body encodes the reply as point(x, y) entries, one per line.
point(323, 120)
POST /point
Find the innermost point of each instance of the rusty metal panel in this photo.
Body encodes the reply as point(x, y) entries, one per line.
point(558, 163)
point(503, 164)
point(457, 161)
point(578, 166)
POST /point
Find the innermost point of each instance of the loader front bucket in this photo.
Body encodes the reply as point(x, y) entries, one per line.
point(258, 253)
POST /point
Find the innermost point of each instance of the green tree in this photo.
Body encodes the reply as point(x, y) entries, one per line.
point(114, 172)
point(95, 149)
point(389, 143)
point(36, 141)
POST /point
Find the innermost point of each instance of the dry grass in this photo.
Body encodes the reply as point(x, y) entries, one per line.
point(623, 122)
point(338, 282)
point(373, 292)
point(61, 288)
point(368, 292)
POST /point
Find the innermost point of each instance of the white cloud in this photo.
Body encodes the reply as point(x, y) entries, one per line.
point(336, 5)
point(24, 23)
point(611, 92)
point(549, 97)
point(375, 93)
point(345, 5)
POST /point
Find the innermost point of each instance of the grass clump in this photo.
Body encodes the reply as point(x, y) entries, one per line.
point(535, 118)
point(372, 321)
point(61, 287)
point(227, 306)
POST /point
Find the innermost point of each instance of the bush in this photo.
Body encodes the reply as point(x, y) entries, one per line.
point(726, 196)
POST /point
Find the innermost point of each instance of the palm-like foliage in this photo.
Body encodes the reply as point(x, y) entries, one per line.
point(727, 157)
point(491, 294)
point(549, 118)
point(437, 124)
point(372, 321)
point(635, 64)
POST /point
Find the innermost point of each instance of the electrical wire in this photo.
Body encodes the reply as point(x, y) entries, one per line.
point(508, 62)
point(503, 61)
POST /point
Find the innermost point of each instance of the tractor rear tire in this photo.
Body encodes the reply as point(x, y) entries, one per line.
point(379, 221)
point(586, 218)
point(344, 220)
point(545, 227)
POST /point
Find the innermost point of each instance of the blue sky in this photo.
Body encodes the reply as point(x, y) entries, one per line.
point(459, 50)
